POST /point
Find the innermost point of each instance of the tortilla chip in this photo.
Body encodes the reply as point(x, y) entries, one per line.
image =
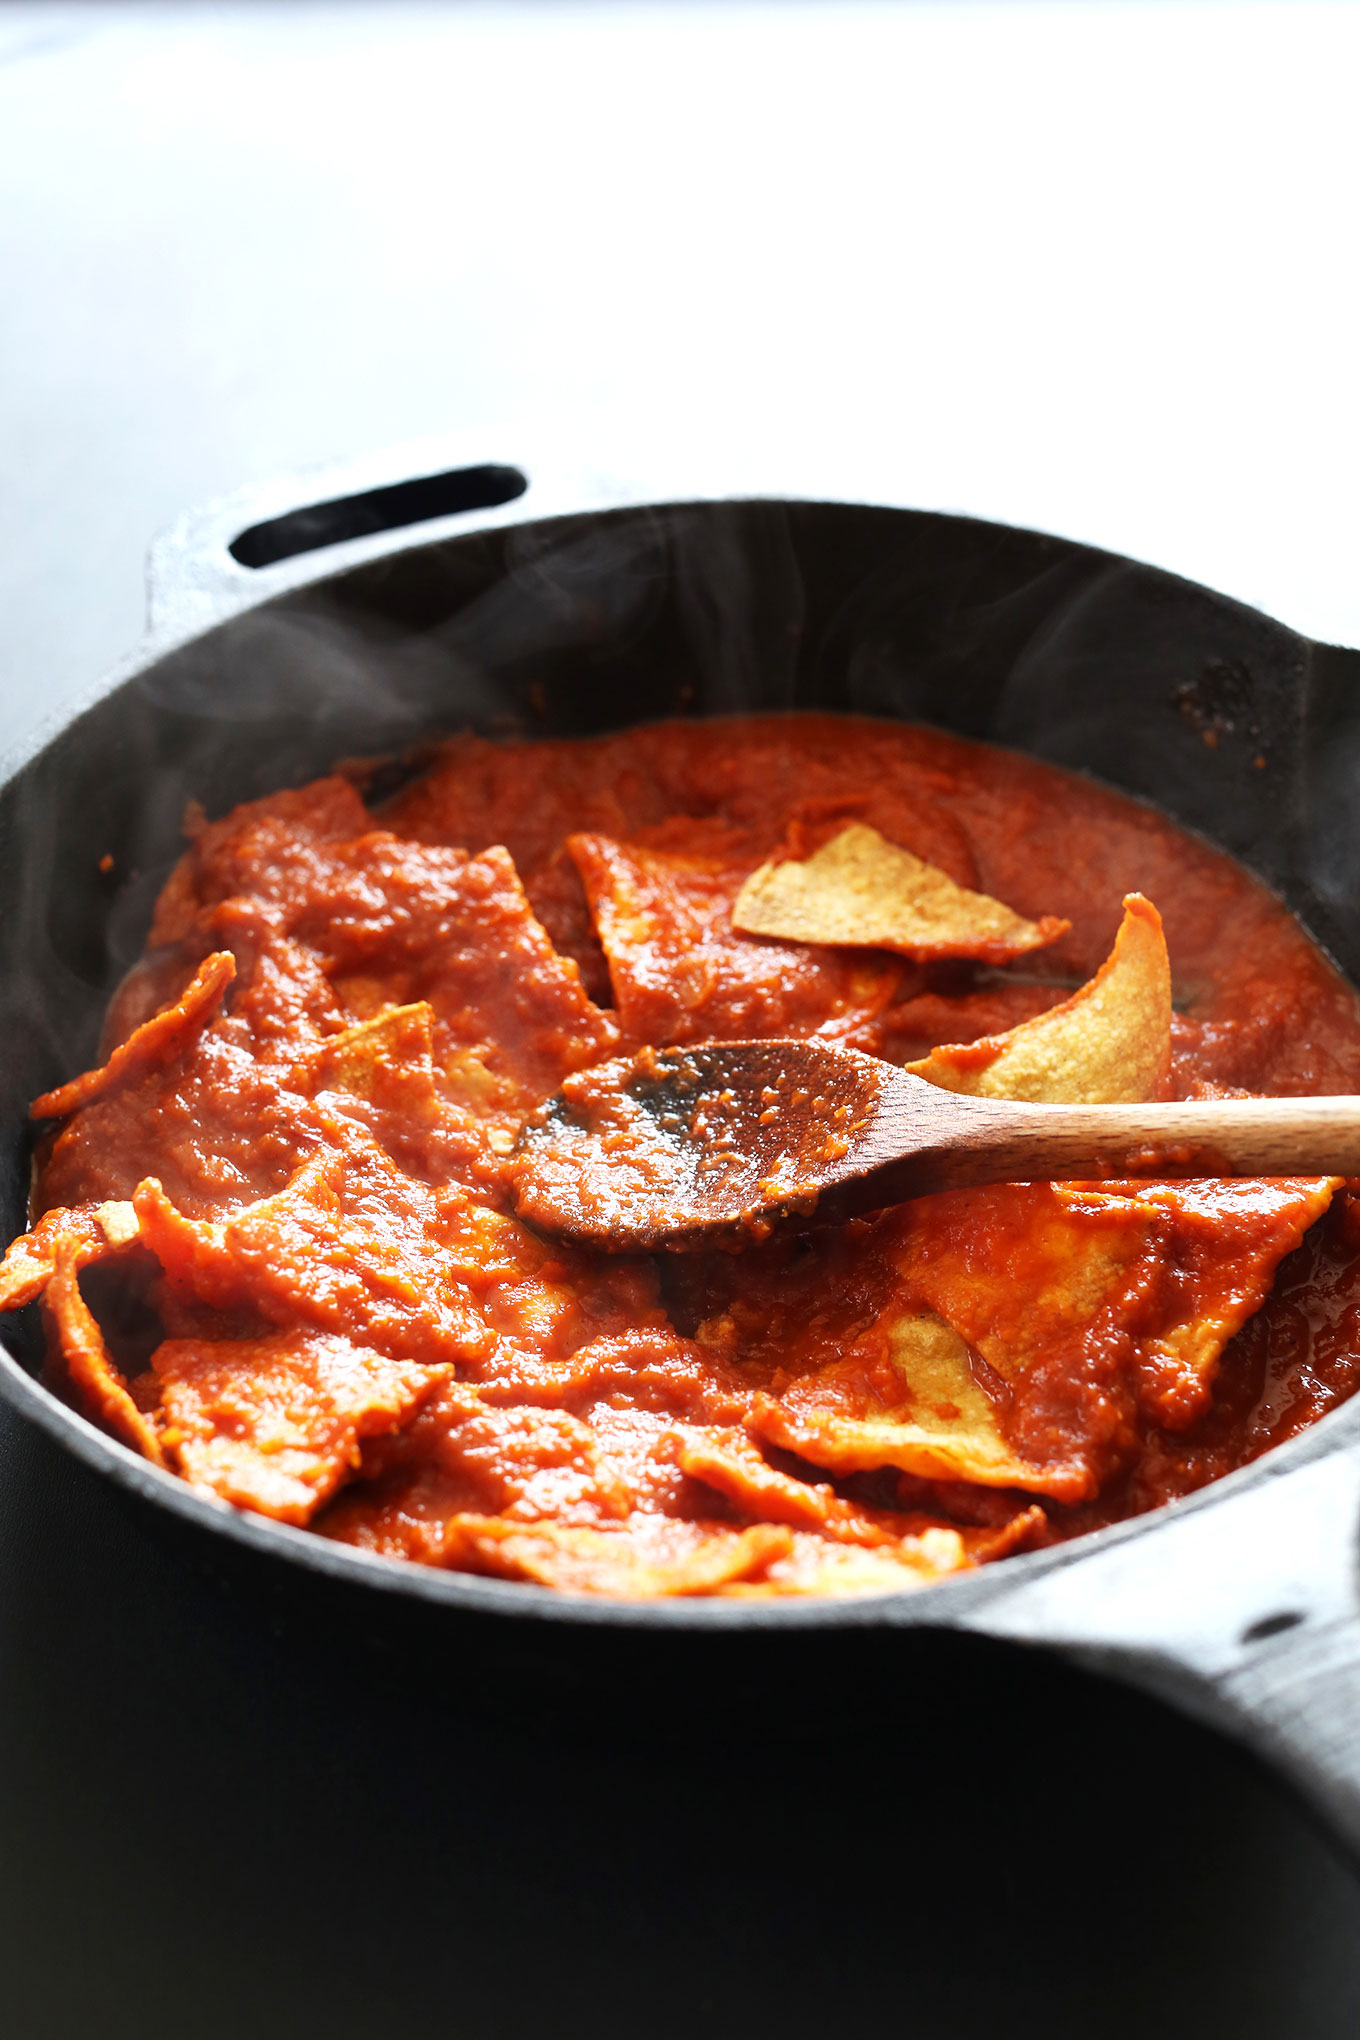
point(437, 1121)
point(1219, 1241)
point(99, 1384)
point(262, 849)
point(353, 923)
point(355, 1246)
point(656, 1556)
point(381, 1074)
point(1109, 1044)
point(681, 970)
point(525, 1462)
point(928, 1550)
point(395, 923)
point(855, 1363)
point(498, 988)
point(1086, 1301)
point(274, 1423)
point(378, 1056)
point(350, 1246)
point(1007, 1335)
point(82, 1237)
point(841, 1571)
point(733, 1465)
point(861, 890)
point(887, 1540)
point(941, 1424)
point(1019, 1272)
point(402, 1514)
point(156, 1041)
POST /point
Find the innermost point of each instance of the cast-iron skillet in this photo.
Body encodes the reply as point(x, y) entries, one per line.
point(283, 639)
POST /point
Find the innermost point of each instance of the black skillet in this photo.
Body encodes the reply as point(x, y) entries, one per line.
point(405, 601)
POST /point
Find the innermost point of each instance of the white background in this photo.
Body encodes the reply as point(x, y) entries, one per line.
point(1088, 268)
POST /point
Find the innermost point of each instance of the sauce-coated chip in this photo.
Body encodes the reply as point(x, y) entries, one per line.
point(1086, 1306)
point(274, 1423)
point(157, 1040)
point(1011, 1336)
point(90, 1367)
point(1216, 1246)
point(352, 1245)
point(79, 1237)
point(734, 1465)
point(928, 1416)
point(927, 1550)
point(681, 969)
point(652, 1558)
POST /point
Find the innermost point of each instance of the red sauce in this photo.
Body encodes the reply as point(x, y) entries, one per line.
point(277, 1247)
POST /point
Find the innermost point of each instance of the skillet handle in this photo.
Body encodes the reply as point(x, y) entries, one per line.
point(227, 555)
point(1242, 1611)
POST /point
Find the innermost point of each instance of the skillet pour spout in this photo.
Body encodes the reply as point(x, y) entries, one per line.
point(580, 607)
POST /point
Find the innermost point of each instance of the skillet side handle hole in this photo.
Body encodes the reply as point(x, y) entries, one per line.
point(1271, 1625)
point(375, 510)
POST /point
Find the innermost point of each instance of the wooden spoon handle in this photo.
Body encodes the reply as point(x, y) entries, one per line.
point(996, 1141)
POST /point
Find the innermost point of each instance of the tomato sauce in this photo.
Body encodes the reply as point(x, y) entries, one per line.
point(275, 1238)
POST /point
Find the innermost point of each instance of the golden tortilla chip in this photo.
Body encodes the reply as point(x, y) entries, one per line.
point(860, 890)
point(155, 1041)
point(1109, 1044)
point(99, 1384)
point(940, 1425)
point(654, 1556)
point(274, 1424)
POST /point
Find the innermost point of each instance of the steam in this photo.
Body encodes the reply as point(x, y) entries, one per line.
point(555, 629)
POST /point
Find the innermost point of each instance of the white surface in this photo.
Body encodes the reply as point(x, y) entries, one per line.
point(1085, 268)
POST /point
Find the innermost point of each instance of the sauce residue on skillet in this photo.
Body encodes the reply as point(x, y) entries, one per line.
point(275, 1239)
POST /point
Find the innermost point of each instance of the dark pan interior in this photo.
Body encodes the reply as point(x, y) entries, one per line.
point(1231, 723)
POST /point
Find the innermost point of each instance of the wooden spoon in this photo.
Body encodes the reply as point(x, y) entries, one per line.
point(708, 1145)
